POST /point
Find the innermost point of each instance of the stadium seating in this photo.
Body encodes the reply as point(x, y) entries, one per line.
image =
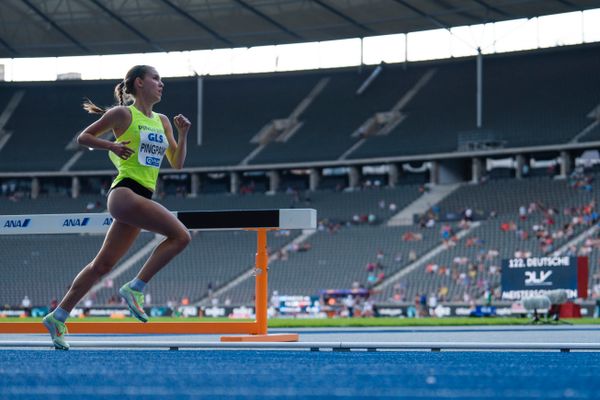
point(520, 109)
point(341, 206)
point(514, 194)
point(16, 205)
point(434, 117)
point(47, 119)
point(592, 136)
point(525, 103)
point(337, 112)
point(336, 260)
point(485, 247)
point(338, 253)
point(213, 258)
point(42, 268)
point(228, 253)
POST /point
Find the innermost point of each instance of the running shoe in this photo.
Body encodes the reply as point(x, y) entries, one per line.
point(57, 330)
point(135, 301)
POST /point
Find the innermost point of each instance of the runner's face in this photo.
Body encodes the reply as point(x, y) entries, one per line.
point(152, 85)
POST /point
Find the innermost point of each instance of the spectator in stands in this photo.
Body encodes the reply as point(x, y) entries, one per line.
point(367, 309)
point(443, 271)
point(53, 304)
point(430, 223)
point(442, 293)
point(508, 226)
point(446, 233)
point(305, 246)
point(171, 304)
point(488, 296)
point(468, 214)
point(466, 297)
point(371, 279)
point(350, 303)
point(596, 296)
point(104, 188)
point(431, 268)
point(399, 292)
point(275, 302)
point(432, 302)
point(464, 224)
point(88, 302)
point(143, 138)
point(423, 311)
point(522, 254)
point(412, 236)
point(412, 255)
point(26, 304)
point(522, 213)
point(371, 267)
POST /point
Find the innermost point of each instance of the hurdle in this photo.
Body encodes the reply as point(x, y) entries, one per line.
point(259, 221)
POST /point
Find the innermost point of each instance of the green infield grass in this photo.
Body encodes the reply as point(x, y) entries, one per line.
point(336, 322)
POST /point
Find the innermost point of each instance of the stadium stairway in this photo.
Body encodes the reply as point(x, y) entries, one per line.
point(590, 132)
point(577, 240)
point(434, 195)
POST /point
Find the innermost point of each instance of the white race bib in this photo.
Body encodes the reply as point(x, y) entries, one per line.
point(152, 149)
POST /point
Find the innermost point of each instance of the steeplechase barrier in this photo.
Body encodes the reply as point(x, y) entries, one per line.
point(260, 221)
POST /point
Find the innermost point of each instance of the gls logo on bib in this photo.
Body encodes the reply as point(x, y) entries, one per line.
point(153, 146)
point(156, 137)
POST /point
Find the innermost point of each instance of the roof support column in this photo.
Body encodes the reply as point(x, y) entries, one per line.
point(35, 188)
point(234, 182)
point(195, 184)
point(315, 178)
point(566, 163)
point(75, 187)
point(393, 174)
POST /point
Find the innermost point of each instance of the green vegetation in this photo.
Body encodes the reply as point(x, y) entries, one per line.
point(401, 322)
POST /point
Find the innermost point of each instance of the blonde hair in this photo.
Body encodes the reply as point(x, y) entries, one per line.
point(124, 91)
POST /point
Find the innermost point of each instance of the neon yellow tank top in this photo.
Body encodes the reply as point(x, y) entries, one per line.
point(149, 142)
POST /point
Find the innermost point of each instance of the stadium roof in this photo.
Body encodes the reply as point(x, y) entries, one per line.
point(53, 28)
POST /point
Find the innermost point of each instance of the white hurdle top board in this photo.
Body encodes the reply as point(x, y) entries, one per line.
point(287, 218)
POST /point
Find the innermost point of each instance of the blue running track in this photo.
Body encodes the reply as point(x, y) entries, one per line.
point(228, 374)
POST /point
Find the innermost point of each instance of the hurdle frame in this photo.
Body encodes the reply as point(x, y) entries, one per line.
point(246, 331)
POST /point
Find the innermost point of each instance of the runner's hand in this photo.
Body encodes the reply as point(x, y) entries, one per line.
point(121, 149)
point(182, 124)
